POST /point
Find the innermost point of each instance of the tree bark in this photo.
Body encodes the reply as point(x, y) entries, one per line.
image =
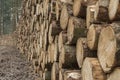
point(101, 12)
point(67, 58)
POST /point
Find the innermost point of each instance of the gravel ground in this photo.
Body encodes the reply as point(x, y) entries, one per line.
point(14, 66)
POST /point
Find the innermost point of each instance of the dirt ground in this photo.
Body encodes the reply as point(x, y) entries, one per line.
point(14, 66)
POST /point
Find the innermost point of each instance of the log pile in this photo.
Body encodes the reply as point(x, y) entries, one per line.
point(71, 39)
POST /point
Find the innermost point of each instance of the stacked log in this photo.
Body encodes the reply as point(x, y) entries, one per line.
point(71, 39)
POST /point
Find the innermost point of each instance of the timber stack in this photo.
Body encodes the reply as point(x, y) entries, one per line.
point(71, 39)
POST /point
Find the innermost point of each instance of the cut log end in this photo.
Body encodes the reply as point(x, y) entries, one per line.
point(92, 70)
point(93, 36)
point(113, 7)
point(64, 18)
point(107, 48)
point(115, 75)
point(55, 71)
point(72, 75)
point(80, 52)
point(76, 7)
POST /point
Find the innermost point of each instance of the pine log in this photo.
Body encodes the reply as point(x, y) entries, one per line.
point(57, 9)
point(108, 45)
point(66, 74)
point(82, 51)
point(92, 70)
point(76, 29)
point(61, 74)
point(55, 71)
point(67, 1)
point(54, 30)
point(114, 10)
point(76, 7)
point(79, 7)
point(115, 74)
point(67, 58)
point(90, 15)
point(93, 36)
point(52, 53)
point(64, 17)
point(72, 75)
point(62, 39)
point(101, 12)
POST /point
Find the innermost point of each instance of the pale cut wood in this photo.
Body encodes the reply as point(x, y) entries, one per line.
point(82, 51)
point(72, 75)
point(64, 17)
point(62, 39)
point(90, 15)
point(57, 10)
point(60, 74)
point(115, 74)
point(114, 9)
point(101, 12)
point(76, 28)
point(55, 71)
point(108, 45)
point(52, 52)
point(92, 70)
point(67, 1)
point(79, 7)
point(76, 7)
point(50, 37)
point(93, 36)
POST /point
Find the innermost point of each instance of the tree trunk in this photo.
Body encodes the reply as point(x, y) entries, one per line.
point(52, 52)
point(101, 12)
point(62, 39)
point(64, 17)
point(90, 15)
point(82, 51)
point(92, 70)
point(79, 7)
point(76, 29)
point(66, 74)
point(67, 58)
point(114, 10)
point(108, 45)
point(115, 74)
point(55, 71)
point(93, 36)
